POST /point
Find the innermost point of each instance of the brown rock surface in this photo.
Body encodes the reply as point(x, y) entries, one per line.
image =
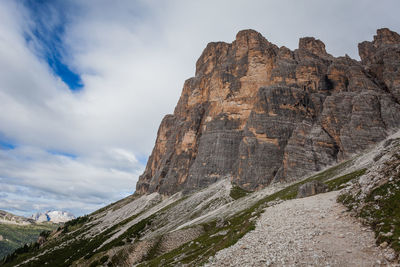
point(259, 113)
point(311, 188)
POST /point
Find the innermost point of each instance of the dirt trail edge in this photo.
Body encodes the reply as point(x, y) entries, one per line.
point(314, 231)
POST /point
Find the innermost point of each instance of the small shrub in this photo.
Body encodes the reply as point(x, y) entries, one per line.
point(237, 192)
point(104, 259)
point(75, 223)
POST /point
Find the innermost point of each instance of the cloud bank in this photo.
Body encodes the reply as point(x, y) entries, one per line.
point(85, 84)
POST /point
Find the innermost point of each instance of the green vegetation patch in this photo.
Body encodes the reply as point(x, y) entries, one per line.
point(116, 205)
point(238, 192)
point(326, 176)
point(77, 248)
point(132, 232)
point(381, 207)
point(75, 224)
point(197, 252)
point(339, 183)
point(99, 262)
point(15, 236)
point(154, 251)
point(382, 211)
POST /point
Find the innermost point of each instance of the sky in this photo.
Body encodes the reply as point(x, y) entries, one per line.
point(84, 84)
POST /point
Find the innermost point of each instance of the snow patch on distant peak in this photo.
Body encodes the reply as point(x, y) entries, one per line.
point(54, 216)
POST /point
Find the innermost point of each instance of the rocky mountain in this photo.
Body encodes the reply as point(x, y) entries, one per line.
point(54, 216)
point(9, 218)
point(260, 113)
point(290, 124)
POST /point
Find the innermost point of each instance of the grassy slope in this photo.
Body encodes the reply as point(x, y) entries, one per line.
point(16, 236)
point(386, 218)
point(77, 248)
point(381, 207)
point(193, 253)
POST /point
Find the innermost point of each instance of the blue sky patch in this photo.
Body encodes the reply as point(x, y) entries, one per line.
point(143, 159)
point(5, 145)
point(61, 153)
point(49, 21)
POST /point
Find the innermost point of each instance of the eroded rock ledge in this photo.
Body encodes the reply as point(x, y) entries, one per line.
point(259, 113)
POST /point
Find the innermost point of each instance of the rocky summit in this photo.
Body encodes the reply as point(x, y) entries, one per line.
point(259, 113)
point(54, 216)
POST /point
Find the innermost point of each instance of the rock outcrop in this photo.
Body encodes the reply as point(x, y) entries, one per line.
point(311, 188)
point(259, 113)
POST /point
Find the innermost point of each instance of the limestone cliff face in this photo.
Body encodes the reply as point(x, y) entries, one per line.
point(259, 113)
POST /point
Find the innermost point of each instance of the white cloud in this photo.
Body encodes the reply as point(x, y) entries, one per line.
point(55, 180)
point(133, 57)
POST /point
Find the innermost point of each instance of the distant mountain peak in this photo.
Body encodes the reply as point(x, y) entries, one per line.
point(9, 218)
point(54, 216)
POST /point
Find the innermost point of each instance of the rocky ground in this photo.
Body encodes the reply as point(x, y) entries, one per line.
point(314, 231)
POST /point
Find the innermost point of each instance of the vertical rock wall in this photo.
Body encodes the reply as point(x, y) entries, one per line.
point(259, 113)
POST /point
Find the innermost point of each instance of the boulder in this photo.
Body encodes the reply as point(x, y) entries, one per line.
point(311, 188)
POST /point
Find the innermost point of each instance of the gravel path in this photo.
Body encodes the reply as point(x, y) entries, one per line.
point(313, 231)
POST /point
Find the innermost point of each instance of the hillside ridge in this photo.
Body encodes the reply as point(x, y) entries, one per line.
point(9, 218)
